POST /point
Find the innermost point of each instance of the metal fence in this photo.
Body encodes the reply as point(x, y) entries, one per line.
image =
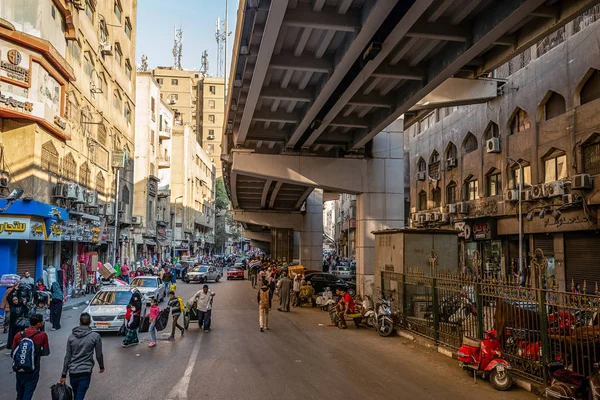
point(535, 326)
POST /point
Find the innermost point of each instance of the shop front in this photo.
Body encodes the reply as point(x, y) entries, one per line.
point(482, 252)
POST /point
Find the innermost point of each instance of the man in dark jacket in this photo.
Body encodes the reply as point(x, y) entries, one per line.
point(79, 359)
point(27, 381)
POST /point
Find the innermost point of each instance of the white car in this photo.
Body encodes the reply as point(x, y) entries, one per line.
point(150, 286)
point(108, 308)
point(342, 272)
point(203, 274)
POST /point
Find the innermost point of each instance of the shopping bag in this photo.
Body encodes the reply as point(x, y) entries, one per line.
point(163, 319)
point(145, 324)
point(60, 391)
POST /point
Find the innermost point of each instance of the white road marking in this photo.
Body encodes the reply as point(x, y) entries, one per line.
point(180, 389)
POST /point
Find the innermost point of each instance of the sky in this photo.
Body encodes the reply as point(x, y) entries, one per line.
point(156, 20)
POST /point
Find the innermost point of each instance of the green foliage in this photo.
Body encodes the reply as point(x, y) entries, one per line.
point(221, 199)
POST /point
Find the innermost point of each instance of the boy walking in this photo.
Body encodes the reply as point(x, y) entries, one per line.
point(29, 375)
point(263, 299)
point(175, 304)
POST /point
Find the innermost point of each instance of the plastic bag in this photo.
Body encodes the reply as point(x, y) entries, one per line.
point(61, 391)
point(145, 324)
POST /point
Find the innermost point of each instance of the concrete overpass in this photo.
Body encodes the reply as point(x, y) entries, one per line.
point(317, 88)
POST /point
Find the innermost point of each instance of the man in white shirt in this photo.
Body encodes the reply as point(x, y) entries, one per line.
point(204, 300)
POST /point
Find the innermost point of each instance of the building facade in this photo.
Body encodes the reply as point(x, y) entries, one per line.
point(466, 165)
point(211, 115)
point(67, 107)
point(345, 214)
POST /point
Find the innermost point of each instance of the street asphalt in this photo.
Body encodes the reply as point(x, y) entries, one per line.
point(299, 357)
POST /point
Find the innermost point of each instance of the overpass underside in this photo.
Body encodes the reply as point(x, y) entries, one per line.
point(318, 88)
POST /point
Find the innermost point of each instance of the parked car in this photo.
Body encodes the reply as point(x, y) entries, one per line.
point(235, 273)
point(108, 307)
point(322, 280)
point(203, 273)
point(343, 272)
point(150, 286)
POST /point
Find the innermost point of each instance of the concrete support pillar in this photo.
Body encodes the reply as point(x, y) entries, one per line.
point(311, 236)
point(381, 206)
point(282, 244)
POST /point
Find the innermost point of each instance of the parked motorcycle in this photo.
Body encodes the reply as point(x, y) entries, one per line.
point(325, 300)
point(483, 357)
point(566, 384)
point(383, 317)
point(367, 313)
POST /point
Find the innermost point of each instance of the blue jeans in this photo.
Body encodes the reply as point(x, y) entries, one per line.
point(125, 278)
point(80, 385)
point(26, 384)
point(204, 319)
point(152, 330)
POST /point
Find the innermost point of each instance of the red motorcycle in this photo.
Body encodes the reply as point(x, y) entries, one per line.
point(484, 357)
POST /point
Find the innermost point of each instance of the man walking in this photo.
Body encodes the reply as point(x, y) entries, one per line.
point(29, 375)
point(285, 288)
point(263, 300)
point(297, 284)
point(27, 279)
point(175, 304)
point(125, 273)
point(204, 299)
point(79, 358)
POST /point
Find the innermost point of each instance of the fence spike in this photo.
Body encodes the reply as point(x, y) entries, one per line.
point(596, 288)
point(584, 286)
point(572, 285)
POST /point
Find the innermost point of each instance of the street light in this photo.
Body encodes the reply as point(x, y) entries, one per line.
point(175, 227)
point(520, 213)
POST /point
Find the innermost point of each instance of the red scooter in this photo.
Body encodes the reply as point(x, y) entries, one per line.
point(484, 357)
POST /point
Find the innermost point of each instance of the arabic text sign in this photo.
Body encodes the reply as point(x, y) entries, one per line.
point(16, 228)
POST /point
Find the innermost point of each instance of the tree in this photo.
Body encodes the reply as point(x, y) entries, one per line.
point(221, 199)
point(223, 216)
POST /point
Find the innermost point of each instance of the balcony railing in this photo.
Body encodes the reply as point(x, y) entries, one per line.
point(164, 162)
point(164, 132)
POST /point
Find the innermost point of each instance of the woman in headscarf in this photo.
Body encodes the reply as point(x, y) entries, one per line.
point(132, 320)
point(18, 309)
point(56, 305)
point(6, 301)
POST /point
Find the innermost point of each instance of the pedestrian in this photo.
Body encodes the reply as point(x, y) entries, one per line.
point(56, 305)
point(6, 304)
point(18, 310)
point(27, 279)
point(125, 273)
point(204, 300)
point(167, 278)
point(297, 284)
point(176, 308)
point(79, 357)
point(40, 308)
point(28, 375)
point(263, 299)
point(153, 315)
point(132, 321)
point(285, 288)
point(40, 292)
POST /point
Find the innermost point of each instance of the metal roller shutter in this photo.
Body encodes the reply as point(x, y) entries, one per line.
point(544, 242)
point(582, 252)
point(26, 257)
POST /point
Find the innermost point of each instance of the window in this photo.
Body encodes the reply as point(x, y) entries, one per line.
point(89, 10)
point(555, 166)
point(152, 138)
point(160, 82)
point(434, 165)
point(50, 157)
point(211, 104)
point(421, 165)
point(118, 10)
point(100, 183)
point(118, 53)
point(591, 155)
point(86, 120)
point(469, 144)
point(211, 148)
point(451, 151)
point(69, 168)
point(127, 113)
point(471, 189)
point(494, 183)
point(427, 122)
point(554, 106)
point(211, 134)
point(211, 118)
point(102, 135)
point(125, 191)
point(103, 32)
point(127, 27)
point(436, 197)
point(422, 200)
point(174, 82)
point(520, 121)
point(174, 97)
point(89, 64)
point(590, 91)
point(526, 175)
point(117, 100)
point(128, 69)
point(153, 106)
point(74, 50)
point(84, 174)
point(451, 193)
point(491, 131)
point(212, 89)
point(53, 13)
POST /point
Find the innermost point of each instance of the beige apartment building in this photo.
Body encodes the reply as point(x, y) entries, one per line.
point(67, 90)
point(212, 114)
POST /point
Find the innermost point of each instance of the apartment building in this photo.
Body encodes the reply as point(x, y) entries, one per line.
point(467, 164)
point(212, 114)
point(66, 127)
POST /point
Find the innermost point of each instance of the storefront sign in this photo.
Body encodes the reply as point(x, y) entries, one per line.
point(82, 231)
point(464, 230)
point(29, 228)
point(15, 65)
point(60, 122)
point(11, 102)
point(484, 230)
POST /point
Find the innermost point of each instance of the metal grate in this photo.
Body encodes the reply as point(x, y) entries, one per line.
point(50, 157)
point(591, 157)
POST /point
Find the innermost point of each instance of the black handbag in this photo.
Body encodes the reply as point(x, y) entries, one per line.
point(60, 391)
point(122, 330)
point(145, 324)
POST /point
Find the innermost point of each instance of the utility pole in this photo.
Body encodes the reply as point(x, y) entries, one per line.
point(116, 237)
point(175, 227)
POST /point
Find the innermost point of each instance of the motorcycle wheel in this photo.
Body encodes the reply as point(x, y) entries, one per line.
point(385, 329)
point(351, 292)
point(500, 380)
point(371, 322)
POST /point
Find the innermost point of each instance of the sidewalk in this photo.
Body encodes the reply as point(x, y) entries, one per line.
point(69, 305)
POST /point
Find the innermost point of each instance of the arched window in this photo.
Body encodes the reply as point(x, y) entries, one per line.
point(554, 106)
point(469, 144)
point(590, 151)
point(50, 157)
point(100, 183)
point(421, 165)
point(451, 151)
point(520, 121)
point(555, 165)
point(491, 131)
point(590, 90)
point(434, 165)
point(451, 195)
point(436, 197)
point(102, 135)
point(69, 168)
point(84, 175)
point(422, 200)
point(493, 183)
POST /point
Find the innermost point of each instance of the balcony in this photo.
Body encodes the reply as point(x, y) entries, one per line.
point(163, 162)
point(164, 132)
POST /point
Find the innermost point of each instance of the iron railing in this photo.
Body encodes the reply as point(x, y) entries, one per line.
point(535, 326)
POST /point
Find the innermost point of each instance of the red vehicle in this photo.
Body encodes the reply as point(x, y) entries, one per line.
point(235, 273)
point(484, 357)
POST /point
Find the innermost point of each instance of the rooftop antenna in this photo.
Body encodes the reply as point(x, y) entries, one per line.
point(144, 66)
point(220, 36)
point(178, 48)
point(204, 63)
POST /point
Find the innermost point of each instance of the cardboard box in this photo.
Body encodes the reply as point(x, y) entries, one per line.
point(107, 271)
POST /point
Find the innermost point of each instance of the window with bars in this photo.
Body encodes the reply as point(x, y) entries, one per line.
point(69, 168)
point(451, 197)
point(100, 183)
point(520, 121)
point(434, 165)
point(50, 157)
point(84, 174)
point(591, 156)
point(102, 135)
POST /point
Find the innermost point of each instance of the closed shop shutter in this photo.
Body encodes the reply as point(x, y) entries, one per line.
point(26, 258)
point(582, 255)
point(544, 242)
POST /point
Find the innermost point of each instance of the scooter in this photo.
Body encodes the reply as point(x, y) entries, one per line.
point(325, 300)
point(484, 357)
point(383, 317)
point(367, 313)
point(566, 384)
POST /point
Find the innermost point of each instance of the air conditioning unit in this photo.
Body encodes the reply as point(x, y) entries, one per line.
point(554, 189)
point(81, 196)
point(59, 191)
point(511, 195)
point(102, 209)
point(427, 217)
point(451, 163)
point(451, 208)
point(493, 145)
point(538, 191)
point(92, 198)
point(136, 220)
point(72, 191)
point(435, 216)
point(421, 175)
point(527, 195)
point(583, 181)
point(444, 217)
point(463, 207)
point(211, 137)
point(570, 198)
point(106, 49)
point(421, 219)
point(109, 209)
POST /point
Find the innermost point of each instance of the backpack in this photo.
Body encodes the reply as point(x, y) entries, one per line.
point(181, 306)
point(24, 354)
